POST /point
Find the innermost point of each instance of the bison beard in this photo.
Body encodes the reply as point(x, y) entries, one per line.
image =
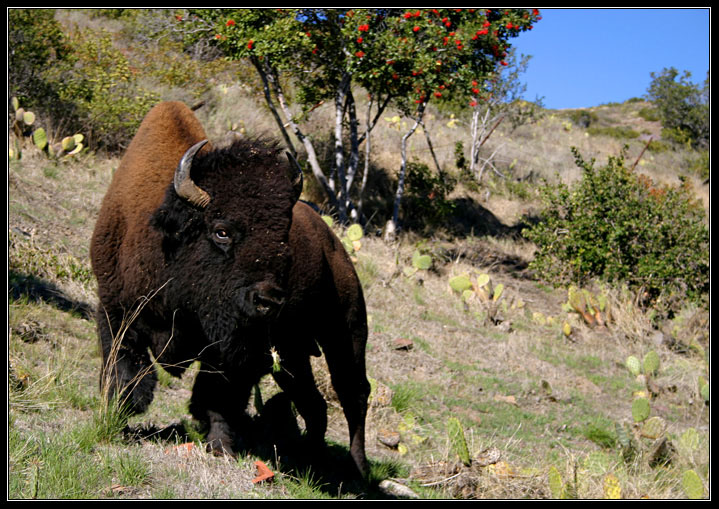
point(237, 268)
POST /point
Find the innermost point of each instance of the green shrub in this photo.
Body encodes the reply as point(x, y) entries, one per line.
point(618, 132)
point(76, 82)
point(35, 43)
point(617, 226)
point(425, 201)
point(650, 114)
point(683, 106)
point(657, 146)
point(109, 104)
point(700, 165)
point(583, 118)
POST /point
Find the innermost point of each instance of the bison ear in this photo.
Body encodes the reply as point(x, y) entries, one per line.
point(177, 222)
point(295, 176)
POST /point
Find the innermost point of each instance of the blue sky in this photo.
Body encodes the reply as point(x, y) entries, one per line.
point(587, 57)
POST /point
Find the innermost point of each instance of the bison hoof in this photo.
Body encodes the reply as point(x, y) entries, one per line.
point(220, 447)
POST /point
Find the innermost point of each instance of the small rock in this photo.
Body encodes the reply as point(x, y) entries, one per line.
point(403, 344)
point(388, 438)
point(488, 457)
point(396, 489)
point(382, 395)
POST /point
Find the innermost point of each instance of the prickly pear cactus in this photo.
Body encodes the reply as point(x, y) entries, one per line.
point(39, 138)
point(498, 292)
point(692, 484)
point(421, 261)
point(640, 409)
point(651, 363)
point(653, 427)
point(555, 482)
point(460, 283)
point(633, 365)
point(612, 487)
point(458, 441)
point(354, 232)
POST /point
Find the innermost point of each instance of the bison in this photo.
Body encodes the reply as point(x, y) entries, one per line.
point(205, 253)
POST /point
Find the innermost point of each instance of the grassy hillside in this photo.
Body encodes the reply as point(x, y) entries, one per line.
point(546, 403)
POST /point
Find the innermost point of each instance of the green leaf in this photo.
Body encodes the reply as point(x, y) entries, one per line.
point(328, 220)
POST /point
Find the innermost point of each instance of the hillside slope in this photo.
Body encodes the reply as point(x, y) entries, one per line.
point(521, 388)
point(548, 404)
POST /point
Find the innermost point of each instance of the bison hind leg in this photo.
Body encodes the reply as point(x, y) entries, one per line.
point(346, 363)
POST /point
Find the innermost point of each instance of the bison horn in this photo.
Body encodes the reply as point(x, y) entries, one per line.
point(184, 186)
point(297, 179)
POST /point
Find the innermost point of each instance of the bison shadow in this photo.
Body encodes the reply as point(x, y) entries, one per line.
point(276, 438)
point(35, 289)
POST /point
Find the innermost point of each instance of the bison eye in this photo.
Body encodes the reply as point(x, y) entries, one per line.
point(221, 236)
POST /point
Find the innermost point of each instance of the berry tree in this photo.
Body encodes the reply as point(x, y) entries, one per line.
point(402, 57)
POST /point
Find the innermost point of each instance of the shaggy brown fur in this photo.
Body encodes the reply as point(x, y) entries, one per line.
point(254, 271)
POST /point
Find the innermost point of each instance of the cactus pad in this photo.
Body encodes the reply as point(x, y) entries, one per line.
point(354, 232)
point(692, 484)
point(633, 365)
point(460, 283)
point(420, 261)
point(612, 488)
point(39, 138)
point(640, 409)
point(653, 427)
point(651, 363)
point(456, 438)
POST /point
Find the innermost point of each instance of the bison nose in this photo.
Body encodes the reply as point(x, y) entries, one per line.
point(266, 298)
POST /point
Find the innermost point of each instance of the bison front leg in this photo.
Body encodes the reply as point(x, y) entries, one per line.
point(218, 403)
point(127, 370)
point(295, 378)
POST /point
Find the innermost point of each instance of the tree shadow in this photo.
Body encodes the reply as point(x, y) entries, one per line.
point(34, 289)
point(275, 437)
point(469, 221)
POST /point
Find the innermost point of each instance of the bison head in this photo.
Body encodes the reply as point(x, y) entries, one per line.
point(225, 225)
